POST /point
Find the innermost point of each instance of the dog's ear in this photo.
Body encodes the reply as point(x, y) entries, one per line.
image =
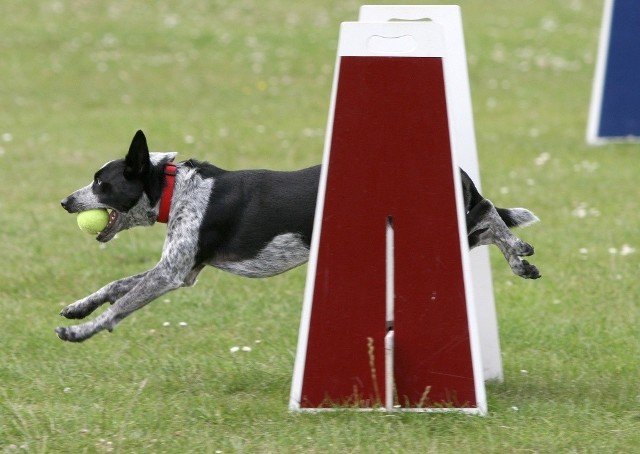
point(137, 161)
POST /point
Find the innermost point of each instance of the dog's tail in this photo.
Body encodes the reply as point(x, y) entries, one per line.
point(517, 217)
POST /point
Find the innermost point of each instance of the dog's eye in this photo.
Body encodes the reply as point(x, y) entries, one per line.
point(98, 181)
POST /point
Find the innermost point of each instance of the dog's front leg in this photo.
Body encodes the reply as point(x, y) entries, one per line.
point(107, 294)
point(153, 284)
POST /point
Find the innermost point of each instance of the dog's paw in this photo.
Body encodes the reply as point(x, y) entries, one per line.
point(76, 310)
point(529, 271)
point(67, 334)
point(73, 333)
point(72, 313)
point(523, 249)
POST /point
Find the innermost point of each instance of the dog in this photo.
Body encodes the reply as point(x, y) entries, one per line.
point(253, 223)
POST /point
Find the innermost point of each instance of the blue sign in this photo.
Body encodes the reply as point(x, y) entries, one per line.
point(615, 102)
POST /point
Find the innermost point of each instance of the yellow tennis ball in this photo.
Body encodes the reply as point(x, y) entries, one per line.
point(93, 221)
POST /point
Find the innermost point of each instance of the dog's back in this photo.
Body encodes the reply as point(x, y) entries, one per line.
point(258, 222)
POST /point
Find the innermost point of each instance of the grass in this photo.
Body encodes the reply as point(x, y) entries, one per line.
point(247, 85)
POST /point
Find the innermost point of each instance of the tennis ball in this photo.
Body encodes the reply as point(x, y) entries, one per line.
point(93, 221)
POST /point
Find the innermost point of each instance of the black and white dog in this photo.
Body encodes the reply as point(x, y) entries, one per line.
point(254, 223)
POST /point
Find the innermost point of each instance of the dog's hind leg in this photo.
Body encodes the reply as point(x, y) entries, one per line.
point(107, 294)
point(486, 226)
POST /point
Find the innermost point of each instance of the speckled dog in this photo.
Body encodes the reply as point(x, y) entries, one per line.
point(254, 223)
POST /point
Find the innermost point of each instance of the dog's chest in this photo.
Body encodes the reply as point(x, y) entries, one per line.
point(281, 254)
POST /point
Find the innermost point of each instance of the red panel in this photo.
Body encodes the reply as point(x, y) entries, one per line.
point(390, 156)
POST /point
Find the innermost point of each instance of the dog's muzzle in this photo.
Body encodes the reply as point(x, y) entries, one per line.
point(66, 204)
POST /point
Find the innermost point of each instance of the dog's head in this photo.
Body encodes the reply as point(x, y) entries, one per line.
point(129, 188)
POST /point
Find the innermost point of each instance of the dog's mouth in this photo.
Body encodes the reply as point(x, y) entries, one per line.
point(109, 231)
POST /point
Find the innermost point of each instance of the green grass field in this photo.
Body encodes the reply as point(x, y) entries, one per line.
point(247, 84)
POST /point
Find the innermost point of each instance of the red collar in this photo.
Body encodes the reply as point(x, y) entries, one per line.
point(167, 192)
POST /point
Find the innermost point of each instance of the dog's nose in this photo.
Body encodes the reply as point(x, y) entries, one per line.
point(64, 202)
